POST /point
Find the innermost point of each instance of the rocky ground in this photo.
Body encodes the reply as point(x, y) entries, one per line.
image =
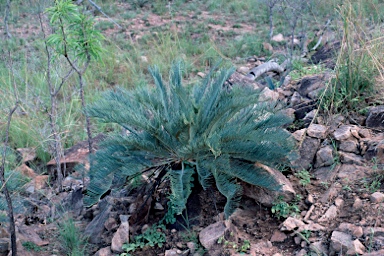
point(334, 195)
point(331, 203)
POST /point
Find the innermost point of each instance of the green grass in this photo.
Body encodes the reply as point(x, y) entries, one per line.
point(72, 240)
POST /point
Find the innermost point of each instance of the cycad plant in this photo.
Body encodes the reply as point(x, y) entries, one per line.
point(212, 130)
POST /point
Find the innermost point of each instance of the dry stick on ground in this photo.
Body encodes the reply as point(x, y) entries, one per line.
point(6, 17)
point(53, 91)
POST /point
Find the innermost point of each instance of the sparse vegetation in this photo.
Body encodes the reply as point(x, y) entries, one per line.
point(172, 136)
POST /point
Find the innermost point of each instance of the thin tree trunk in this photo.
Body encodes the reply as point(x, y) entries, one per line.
point(6, 17)
point(12, 229)
point(270, 22)
point(87, 119)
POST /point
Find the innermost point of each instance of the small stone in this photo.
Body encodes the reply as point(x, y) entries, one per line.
point(350, 228)
point(302, 252)
point(350, 158)
point(358, 204)
point(357, 248)
point(377, 197)
point(297, 239)
point(340, 241)
point(342, 133)
point(278, 236)
point(278, 38)
point(173, 230)
point(41, 181)
point(365, 133)
point(243, 70)
point(158, 206)
point(121, 236)
point(317, 131)
point(27, 171)
point(303, 244)
point(299, 134)
point(179, 245)
point(350, 146)
point(144, 59)
point(330, 214)
point(171, 252)
point(267, 47)
point(104, 252)
point(339, 202)
point(209, 235)
point(4, 233)
point(110, 224)
point(319, 247)
point(291, 223)
point(324, 157)
point(4, 245)
point(192, 247)
point(201, 74)
point(296, 99)
point(310, 199)
point(267, 95)
point(375, 117)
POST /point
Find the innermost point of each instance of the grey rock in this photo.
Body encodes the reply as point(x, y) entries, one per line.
point(192, 247)
point(302, 252)
point(268, 197)
point(278, 236)
point(375, 117)
point(4, 246)
point(307, 153)
point(350, 146)
point(267, 95)
point(209, 235)
point(292, 223)
point(95, 228)
point(309, 84)
point(340, 241)
point(106, 251)
point(350, 158)
point(356, 231)
point(326, 173)
point(324, 157)
point(317, 131)
point(319, 247)
point(121, 236)
point(351, 172)
point(342, 133)
point(357, 248)
point(299, 134)
point(357, 204)
point(330, 214)
point(296, 99)
point(172, 252)
point(376, 253)
point(377, 197)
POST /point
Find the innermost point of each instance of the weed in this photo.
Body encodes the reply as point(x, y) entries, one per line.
point(30, 246)
point(72, 240)
point(283, 209)
point(304, 176)
point(152, 237)
point(240, 248)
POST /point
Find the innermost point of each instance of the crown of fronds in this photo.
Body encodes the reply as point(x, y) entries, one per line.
point(209, 130)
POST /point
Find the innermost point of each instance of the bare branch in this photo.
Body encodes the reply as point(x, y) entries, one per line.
point(99, 9)
point(264, 68)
